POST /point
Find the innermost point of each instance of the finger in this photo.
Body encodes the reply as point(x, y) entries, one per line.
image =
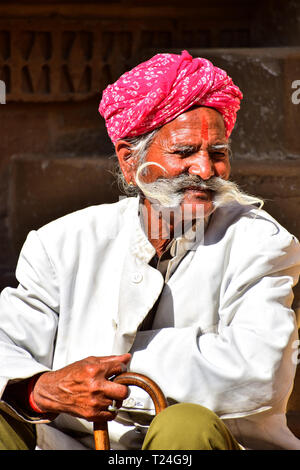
point(107, 412)
point(115, 391)
point(100, 416)
point(114, 370)
point(119, 403)
point(124, 358)
point(115, 405)
point(116, 367)
point(104, 416)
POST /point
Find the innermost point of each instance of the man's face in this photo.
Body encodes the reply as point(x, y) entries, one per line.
point(192, 144)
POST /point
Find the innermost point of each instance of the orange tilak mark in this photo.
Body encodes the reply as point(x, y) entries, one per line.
point(204, 128)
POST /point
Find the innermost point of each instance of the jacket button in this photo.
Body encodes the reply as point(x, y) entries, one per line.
point(137, 277)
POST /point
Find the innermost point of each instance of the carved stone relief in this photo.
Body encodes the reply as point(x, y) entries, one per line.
point(49, 60)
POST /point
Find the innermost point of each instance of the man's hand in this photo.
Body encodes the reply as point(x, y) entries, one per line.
point(82, 389)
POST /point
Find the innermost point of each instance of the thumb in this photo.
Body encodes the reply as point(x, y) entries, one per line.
point(118, 364)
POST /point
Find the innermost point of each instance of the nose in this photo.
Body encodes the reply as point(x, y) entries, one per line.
point(201, 165)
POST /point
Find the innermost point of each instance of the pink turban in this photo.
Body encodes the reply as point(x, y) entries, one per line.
point(160, 89)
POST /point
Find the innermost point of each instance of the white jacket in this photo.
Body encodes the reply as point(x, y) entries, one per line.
point(223, 335)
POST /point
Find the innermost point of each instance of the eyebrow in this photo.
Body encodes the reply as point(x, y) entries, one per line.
point(224, 145)
point(195, 148)
point(185, 148)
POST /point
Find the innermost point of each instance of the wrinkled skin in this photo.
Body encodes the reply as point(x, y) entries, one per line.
point(183, 146)
point(82, 388)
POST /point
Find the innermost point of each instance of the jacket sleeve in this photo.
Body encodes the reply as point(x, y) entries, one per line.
point(248, 365)
point(29, 316)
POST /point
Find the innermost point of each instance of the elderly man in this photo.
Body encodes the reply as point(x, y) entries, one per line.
point(187, 282)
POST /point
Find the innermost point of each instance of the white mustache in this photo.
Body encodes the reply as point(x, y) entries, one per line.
point(183, 182)
point(170, 192)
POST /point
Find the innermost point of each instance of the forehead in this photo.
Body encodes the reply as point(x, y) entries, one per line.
point(194, 125)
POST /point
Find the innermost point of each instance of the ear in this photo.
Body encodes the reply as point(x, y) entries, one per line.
point(126, 160)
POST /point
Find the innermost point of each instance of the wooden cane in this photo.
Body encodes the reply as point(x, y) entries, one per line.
point(130, 378)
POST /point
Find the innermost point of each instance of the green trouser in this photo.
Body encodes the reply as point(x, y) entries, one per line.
point(16, 434)
point(186, 426)
point(179, 427)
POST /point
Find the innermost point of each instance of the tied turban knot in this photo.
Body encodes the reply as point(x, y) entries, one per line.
point(160, 89)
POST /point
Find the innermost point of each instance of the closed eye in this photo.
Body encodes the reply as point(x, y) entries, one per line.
point(185, 153)
point(217, 151)
point(185, 150)
point(218, 155)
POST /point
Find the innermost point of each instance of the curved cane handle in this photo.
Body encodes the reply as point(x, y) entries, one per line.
point(130, 378)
